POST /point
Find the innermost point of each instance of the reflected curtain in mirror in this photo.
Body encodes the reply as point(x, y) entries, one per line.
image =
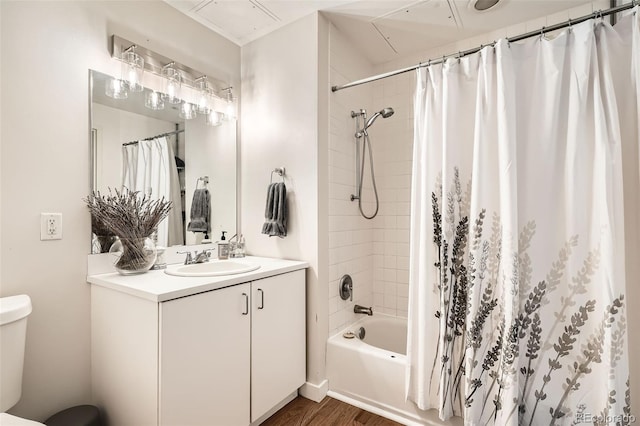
point(149, 167)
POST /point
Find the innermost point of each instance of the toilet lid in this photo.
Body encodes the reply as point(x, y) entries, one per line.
point(9, 420)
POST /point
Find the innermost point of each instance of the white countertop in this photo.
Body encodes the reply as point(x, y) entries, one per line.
point(157, 286)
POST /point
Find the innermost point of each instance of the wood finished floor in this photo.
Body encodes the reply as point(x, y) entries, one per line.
point(328, 412)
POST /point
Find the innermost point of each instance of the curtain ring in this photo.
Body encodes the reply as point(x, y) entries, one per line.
point(541, 33)
point(459, 56)
point(570, 26)
point(595, 20)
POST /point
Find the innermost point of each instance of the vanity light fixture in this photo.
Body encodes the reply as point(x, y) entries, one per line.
point(132, 69)
point(204, 94)
point(230, 110)
point(153, 100)
point(171, 83)
point(192, 95)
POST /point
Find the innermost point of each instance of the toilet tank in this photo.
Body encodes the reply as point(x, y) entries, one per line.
point(13, 330)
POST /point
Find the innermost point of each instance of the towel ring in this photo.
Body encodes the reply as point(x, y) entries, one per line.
point(280, 171)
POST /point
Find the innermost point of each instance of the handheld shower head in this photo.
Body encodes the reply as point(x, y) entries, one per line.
point(385, 113)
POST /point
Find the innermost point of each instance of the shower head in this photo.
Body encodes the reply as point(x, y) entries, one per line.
point(385, 113)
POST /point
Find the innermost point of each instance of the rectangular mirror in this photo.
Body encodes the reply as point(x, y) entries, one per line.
point(160, 154)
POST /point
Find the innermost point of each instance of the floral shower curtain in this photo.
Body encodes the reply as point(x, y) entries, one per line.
point(517, 307)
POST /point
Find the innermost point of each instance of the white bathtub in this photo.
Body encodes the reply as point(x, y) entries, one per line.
point(370, 373)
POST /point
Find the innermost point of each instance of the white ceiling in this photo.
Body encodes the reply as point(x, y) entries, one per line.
point(382, 29)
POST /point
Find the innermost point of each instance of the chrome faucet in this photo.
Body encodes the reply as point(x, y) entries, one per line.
point(201, 257)
point(362, 310)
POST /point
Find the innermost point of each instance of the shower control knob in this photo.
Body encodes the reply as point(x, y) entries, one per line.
point(346, 287)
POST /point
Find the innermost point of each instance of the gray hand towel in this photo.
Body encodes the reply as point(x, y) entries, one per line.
point(200, 211)
point(268, 210)
point(275, 213)
point(281, 216)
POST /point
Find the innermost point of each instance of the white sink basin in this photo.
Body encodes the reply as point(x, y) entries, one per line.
point(213, 268)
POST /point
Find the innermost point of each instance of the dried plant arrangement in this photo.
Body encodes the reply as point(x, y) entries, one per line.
point(103, 235)
point(130, 217)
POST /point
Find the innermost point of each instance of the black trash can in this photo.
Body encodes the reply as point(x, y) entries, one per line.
point(81, 415)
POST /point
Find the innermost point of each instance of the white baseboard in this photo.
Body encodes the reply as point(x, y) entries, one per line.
point(313, 392)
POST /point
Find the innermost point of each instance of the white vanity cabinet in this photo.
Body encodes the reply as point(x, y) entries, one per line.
point(222, 357)
point(205, 348)
point(278, 348)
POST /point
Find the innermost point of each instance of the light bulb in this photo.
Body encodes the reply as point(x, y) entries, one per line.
point(132, 69)
point(230, 112)
point(204, 92)
point(172, 82)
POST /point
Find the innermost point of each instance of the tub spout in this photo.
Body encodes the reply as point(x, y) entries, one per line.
point(362, 310)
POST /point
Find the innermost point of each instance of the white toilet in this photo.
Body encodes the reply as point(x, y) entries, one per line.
point(13, 330)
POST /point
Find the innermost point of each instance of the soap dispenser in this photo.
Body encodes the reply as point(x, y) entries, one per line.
point(223, 247)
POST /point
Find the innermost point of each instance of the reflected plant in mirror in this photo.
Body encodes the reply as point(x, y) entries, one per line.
point(144, 144)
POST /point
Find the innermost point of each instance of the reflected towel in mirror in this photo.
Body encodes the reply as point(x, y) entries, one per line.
point(200, 211)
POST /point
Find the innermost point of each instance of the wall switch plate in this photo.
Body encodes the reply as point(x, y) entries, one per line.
point(50, 226)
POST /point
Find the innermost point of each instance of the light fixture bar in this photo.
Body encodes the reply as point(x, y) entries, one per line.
point(154, 62)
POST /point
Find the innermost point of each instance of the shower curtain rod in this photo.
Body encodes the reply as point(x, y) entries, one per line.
point(153, 137)
point(542, 31)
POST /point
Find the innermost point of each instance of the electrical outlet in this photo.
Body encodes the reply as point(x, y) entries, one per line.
point(50, 226)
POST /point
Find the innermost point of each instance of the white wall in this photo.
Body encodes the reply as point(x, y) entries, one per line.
point(281, 113)
point(47, 49)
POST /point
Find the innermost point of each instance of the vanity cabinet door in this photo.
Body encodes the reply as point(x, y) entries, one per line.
point(205, 358)
point(278, 362)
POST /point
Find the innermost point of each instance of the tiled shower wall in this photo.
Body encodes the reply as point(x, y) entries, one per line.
point(392, 142)
point(350, 236)
point(374, 252)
